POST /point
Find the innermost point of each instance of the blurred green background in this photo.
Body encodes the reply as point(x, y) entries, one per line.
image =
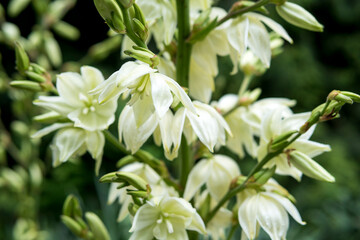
point(306, 71)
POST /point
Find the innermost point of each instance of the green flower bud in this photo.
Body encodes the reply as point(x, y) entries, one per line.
point(17, 6)
point(97, 227)
point(264, 175)
point(22, 59)
point(144, 55)
point(52, 49)
point(35, 77)
point(72, 207)
point(26, 85)
point(140, 30)
point(48, 117)
point(130, 178)
point(355, 97)
point(11, 31)
point(111, 13)
point(139, 15)
point(37, 68)
point(298, 16)
point(126, 160)
point(66, 30)
point(309, 167)
point(74, 226)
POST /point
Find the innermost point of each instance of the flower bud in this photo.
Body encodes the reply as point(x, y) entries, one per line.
point(140, 30)
point(126, 160)
point(138, 194)
point(52, 50)
point(66, 30)
point(48, 117)
point(35, 77)
point(22, 59)
point(74, 226)
point(130, 178)
point(72, 207)
point(298, 16)
point(97, 226)
point(26, 85)
point(102, 49)
point(10, 31)
point(264, 175)
point(309, 167)
point(144, 55)
point(111, 13)
point(17, 6)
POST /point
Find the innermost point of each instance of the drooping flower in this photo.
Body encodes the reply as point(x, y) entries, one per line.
point(248, 31)
point(279, 122)
point(75, 103)
point(268, 210)
point(150, 91)
point(71, 141)
point(168, 218)
point(158, 187)
point(216, 172)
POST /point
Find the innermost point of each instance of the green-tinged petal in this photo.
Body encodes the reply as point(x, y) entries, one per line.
point(197, 177)
point(238, 34)
point(286, 203)
point(259, 41)
point(145, 217)
point(178, 92)
point(92, 77)
point(143, 109)
point(49, 129)
point(247, 217)
point(161, 95)
point(70, 85)
point(272, 217)
point(176, 131)
point(201, 83)
point(95, 142)
point(273, 25)
point(218, 182)
point(66, 143)
point(57, 104)
point(197, 224)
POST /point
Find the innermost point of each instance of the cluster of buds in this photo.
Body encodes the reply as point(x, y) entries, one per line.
point(72, 217)
point(124, 17)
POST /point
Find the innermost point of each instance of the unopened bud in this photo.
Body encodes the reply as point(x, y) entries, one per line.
point(17, 6)
point(144, 55)
point(264, 175)
point(141, 31)
point(355, 97)
point(137, 193)
point(283, 137)
point(102, 49)
point(130, 178)
point(22, 59)
point(133, 208)
point(298, 16)
point(138, 14)
point(74, 226)
point(97, 227)
point(53, 51)
point(126, 160)
point(35, 77)
point(111, 13)
point(47, 117)
point(72, 207)
point(11, 31)
point(26, 85)
point(66, 30)
point(309, 167)
point(37, 68)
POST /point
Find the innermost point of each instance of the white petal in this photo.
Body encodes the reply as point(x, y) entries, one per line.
point(57, 104)
point(95, 142)
point(69, 85)
point(219, 181)
point(247, 216)
point(310, 148)
point(197, 177)
point(238, 34)
point(49, 129)
point(92, 77)
point(161, 94)
point(145, 217)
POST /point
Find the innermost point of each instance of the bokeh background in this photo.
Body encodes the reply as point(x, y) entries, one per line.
point(31, 204)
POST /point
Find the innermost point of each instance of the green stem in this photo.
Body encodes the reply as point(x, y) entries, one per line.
point(183, 48)
point(232, 231)
point(129, 30)
point(244, 85)
point(241, 187)
point(186, 161)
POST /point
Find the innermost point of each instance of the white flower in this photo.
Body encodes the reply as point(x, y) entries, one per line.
point(203, 62)
point(216, 172)
point(71, 141)
point(75, 103)
point(279, 122)
point(150, 91)
point(167, 219)
point(248, 31)
point(267, 210)
point(158, 187)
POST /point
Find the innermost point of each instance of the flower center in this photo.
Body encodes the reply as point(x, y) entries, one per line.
point(89, 103)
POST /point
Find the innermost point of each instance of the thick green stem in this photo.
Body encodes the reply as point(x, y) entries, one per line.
point(183, 48)
point(241, 187)
point(186, 161)
point(129, 30)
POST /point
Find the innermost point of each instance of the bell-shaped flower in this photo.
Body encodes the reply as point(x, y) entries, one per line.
point(167, 218)
point(277, 123)
point(71, 141)
point(248, 31)
point(150, 91)
point(269, 211)
point(158, 187)
point(75, 103)
point(203, 62)
point(216, 172)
